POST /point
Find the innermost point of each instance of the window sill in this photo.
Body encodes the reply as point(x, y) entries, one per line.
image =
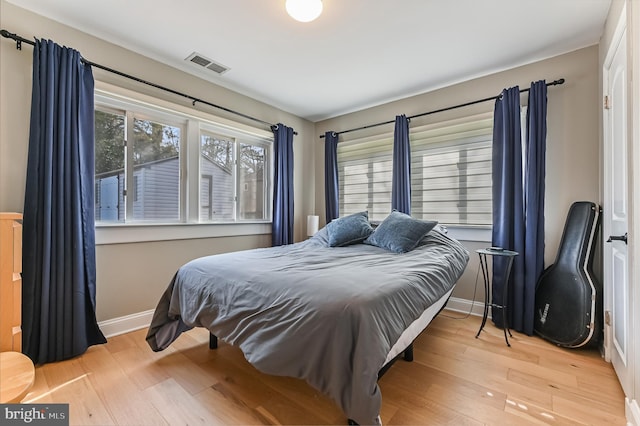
point(467, 233)
point(137, 233)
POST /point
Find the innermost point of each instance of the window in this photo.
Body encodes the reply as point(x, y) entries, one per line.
point(153, 162)
point(156, 171)
point(144, 159)
point(217, 163)
point(253, 196)
point(228, 185)
point(109, 165)
point(450, 173)
point(364, 176)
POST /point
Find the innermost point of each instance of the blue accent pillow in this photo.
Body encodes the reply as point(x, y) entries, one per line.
point(400, 233)
point(350, 229)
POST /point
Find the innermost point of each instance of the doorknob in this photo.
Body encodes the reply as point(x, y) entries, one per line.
point(618, 238)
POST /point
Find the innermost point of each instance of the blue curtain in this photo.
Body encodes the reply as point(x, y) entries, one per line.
point(59, 265)
point(518, 201)
point(282, 229)
point(331, 191)
point(523, 319)
point(508, 208)
point(401, 179)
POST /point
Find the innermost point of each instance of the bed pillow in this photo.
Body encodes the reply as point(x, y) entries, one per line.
point(400, 233)
point(350, 229)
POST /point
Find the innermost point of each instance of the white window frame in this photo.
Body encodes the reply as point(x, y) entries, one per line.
point(189, 227)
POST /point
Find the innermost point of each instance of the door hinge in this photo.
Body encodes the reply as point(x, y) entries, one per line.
point(124, 142)
point(607, 317)
point(606, 102)
point(124, 192)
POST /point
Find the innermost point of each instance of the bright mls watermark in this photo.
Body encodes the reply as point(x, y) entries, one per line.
point(34, 414)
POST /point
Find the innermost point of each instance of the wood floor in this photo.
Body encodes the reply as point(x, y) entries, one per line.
point(454, 379)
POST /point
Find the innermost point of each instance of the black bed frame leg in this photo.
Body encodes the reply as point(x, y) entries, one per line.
point(408, 353)
point(213, 341)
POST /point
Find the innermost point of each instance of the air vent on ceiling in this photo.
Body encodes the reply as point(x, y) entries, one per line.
point(204, 62)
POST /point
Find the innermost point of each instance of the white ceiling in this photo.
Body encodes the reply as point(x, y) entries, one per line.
point(357, 54)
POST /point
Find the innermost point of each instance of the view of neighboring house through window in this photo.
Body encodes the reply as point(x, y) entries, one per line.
point(450, 173)
point(153, 163)
point(217, 167)
point(253, 181)
point(142, 181)
point(222, 159)
point(156, 171)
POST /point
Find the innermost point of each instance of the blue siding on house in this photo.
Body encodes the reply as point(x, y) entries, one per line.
point(107, 203)
point(157, 190)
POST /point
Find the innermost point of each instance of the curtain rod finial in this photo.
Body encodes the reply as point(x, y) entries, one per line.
point(7, 34)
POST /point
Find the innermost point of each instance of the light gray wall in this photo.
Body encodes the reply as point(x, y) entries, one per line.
point(130, 277)
point(573, 155)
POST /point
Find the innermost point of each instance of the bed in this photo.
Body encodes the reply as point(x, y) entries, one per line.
point(334, 316)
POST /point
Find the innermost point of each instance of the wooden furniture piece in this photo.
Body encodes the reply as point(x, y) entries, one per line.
point(17, 376)
point(509, 255)
point(10, 282)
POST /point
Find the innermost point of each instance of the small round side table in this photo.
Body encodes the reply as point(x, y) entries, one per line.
point(17, 375)
point(509, 255)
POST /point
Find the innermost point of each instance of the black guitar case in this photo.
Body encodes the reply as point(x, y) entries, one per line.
point(568, 304)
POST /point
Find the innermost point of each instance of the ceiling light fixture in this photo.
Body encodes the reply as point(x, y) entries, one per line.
point(304, 10)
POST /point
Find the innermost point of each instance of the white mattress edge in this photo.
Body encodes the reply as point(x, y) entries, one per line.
point(416, 327)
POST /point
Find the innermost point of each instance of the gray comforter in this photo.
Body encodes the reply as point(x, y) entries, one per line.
point(306, 310)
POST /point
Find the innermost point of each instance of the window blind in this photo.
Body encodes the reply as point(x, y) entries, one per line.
point(364, 176)
point(451, 173)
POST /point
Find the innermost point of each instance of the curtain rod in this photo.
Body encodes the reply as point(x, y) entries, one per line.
point(553, 83)
point(19, 40)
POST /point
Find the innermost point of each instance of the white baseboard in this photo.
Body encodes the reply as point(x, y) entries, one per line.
point(465, 306)
point(121, 325)
point(127, 323)
point(632, 412)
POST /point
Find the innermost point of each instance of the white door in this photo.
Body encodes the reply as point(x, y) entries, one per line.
point(615, 211)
